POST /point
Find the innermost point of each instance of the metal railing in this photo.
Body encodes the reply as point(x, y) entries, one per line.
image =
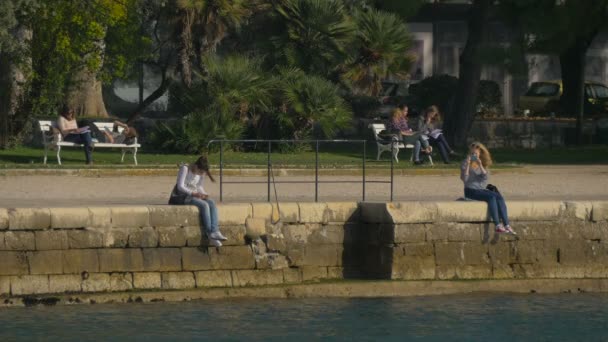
point(270, 172)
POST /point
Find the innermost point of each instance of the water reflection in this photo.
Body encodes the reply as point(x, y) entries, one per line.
point(454, 318)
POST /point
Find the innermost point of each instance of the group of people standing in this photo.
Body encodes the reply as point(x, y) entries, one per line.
point(429, 132)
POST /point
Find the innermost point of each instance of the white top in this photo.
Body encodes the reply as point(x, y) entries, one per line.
point(64, 125)
point(188, 182)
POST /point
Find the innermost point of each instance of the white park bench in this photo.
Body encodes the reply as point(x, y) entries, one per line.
point(384, 144)
point(52, 140)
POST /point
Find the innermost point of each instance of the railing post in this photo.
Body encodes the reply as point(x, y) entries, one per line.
point(269, 166)
point(317, 171)
point(364, 157)
point(221, 170)
point(392, 165)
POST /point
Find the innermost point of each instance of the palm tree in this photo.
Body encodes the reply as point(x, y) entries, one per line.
point(308, 101)
point(203, 24)
point(316, 34)
point(381, 49)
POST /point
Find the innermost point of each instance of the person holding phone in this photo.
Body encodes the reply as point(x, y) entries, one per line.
point(189, 190)
point(474, 174)
point(72, 133)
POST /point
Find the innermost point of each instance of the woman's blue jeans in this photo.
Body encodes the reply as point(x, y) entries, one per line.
point(208, 213)
point(496, 203)
point(84, 139)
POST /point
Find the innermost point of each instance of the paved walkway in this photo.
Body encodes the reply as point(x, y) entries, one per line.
point(539, 183)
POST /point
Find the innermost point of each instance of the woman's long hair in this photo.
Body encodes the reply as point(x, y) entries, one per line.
point(65, 111)
point(484, 154)
point(430, 111)
point(201, 166)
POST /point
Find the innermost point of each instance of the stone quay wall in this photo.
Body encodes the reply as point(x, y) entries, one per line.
point(45, 251)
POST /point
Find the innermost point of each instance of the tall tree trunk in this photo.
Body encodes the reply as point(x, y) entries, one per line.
point(84, 94)
point(572, 63)
point(15, 68)
point(462, 110)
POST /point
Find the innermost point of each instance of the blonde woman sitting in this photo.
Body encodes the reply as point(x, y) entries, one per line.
point(474, 174)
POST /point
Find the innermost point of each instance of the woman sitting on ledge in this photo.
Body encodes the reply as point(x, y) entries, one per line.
point(475, 177)
point(189, 190)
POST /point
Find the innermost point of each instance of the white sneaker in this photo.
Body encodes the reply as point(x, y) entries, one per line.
point(217, 236)
point(215, 243)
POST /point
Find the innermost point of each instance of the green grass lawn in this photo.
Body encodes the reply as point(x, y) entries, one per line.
point(330, 156)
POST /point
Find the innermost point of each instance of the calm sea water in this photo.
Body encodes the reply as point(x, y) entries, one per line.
point(567, 317)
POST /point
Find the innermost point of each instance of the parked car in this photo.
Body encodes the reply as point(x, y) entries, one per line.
point(544, 98)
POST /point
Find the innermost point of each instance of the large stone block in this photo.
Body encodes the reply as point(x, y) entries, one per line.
point(117, 237)
point(3, 219)
point(262, 211)
point(130, 217)
point(273, 261)
point(600, 211)
point(171, 236)
point(233, 214)
point(100, 217)
point(326, 234)
point(80, 260)
point(29, 285)
point(5, 286)
point(446, 272)
point(193, 236)
point(162, 259)
point(535, 211)
point(341, 212)
point(292, 275)
point(255, 227)
point(415, 266)
point(121, 260)
point(163, 216)
point(232, 258)
point(143, 237)
point(96, 282)
point(173, 216)
point(323, 255)
point(121, 281)
point(29, 218)
point(195, 259)
point(45, 262)
point(213, 279)
point(20, 241)
point(257, 277)
point(85, 238)
point(464, 232)
point(234, 234)
point(13, 263)
point(436, 232)
point(335, 273)
point(287, 212)
point(397, 213)
point(70, 217)
point(314, 273)
point(298, 233)
point(51, 240)
point(580, 210)
point(534, 251)
point(61, 283)
point(461, 253)
point(403, 233)
point(177, 280)
point(146, 280)
point(313, 212)
point(462, 211)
